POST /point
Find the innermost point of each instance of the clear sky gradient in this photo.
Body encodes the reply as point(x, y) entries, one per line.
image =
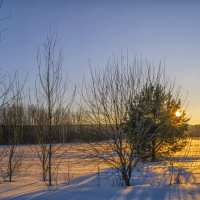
point(93, 30)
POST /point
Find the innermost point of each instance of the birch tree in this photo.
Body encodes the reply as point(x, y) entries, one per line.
point(53, 96)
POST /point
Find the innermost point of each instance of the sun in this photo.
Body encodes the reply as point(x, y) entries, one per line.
point(178, 113)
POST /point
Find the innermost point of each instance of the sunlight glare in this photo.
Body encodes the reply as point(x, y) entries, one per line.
point(178, 113)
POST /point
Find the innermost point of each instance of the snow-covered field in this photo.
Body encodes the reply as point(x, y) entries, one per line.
point(79, 179)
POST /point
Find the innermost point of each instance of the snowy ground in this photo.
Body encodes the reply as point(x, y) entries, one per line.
point(150, 181)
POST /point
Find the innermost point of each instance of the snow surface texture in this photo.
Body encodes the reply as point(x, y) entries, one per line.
point(81, 180)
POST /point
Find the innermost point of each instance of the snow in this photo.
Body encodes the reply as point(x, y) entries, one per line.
point(150, 181)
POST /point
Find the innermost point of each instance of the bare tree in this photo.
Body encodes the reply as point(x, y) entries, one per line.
point(104, 109)
point(10, 94)
point(12, 124)
point(52, 95)
point(10, 106)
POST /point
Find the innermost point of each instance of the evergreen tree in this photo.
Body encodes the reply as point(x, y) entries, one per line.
point(157, 118)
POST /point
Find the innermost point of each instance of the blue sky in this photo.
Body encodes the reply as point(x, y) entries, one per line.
point(93, 30)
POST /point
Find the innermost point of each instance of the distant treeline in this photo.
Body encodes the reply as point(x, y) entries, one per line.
point(30, 134)
point(194, 130)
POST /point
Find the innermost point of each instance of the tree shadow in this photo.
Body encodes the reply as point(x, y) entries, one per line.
point(151, 184)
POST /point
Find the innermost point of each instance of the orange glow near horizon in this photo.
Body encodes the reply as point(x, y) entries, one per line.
point(194, 121)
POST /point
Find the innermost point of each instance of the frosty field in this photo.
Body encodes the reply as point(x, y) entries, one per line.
point(80, 179)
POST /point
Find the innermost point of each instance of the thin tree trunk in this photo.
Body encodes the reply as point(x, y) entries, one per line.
point(50, 156)
point(153, 151)
point(10, 170)
point(10, 165)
